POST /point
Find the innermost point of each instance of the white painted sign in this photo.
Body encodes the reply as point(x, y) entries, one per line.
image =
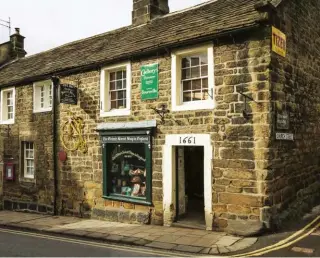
point(284, 136)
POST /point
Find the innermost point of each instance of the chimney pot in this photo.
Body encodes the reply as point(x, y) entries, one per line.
point(17, 30)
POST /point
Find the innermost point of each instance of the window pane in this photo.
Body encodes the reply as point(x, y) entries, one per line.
point(204, 59)
point(121, 94)
point(187, 96)
point(185, 62)
point(205, 94)
point(124, 102)
point(126, 168)
point(195, 72)
point(204, 83)
point(112, 85)
point(204, 70)
point(124, 84)
point(113, 95)
point(112, 76)
point(119, 75)
point(196, 84)
point(119, 84)
point(185, 73)
point(186, 85)
point(197, 95)
point(195, 61)
point(114, 104)
point(124, 74)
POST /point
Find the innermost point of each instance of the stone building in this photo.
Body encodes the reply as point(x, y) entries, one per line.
point(206, 117)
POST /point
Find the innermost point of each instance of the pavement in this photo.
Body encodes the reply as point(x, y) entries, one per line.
point(158, 237)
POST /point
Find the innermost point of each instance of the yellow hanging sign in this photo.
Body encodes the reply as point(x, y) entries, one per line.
point(279, 42)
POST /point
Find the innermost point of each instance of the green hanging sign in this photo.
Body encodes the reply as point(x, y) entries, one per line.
point(149, 81)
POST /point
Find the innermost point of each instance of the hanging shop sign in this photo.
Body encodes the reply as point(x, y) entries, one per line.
point(283, 121)
point(149, 81)
point(284, 136)
point(279, 42)
point(68, 94)
point(126, 139)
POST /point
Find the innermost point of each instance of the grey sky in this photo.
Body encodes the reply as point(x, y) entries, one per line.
point(49, 23)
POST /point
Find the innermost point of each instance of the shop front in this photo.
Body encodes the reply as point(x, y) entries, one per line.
point(127, 161)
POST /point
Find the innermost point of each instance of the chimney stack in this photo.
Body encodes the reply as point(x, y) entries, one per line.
point(17, 42)
point(146, 10)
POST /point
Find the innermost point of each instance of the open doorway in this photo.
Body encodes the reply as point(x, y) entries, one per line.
point(190, 186)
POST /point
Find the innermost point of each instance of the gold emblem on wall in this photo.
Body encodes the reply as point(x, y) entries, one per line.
point(72, 134)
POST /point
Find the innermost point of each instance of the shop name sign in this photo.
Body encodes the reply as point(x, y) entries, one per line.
point(68, 94)
point(149, 81)
point(125, 139)
point(284, 136)
point(279, 42)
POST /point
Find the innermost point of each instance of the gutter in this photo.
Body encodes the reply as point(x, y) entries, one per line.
point(143, 52)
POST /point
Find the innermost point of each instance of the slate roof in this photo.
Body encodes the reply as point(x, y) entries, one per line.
point(201, 21)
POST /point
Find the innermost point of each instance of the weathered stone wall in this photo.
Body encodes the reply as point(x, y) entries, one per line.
point(294, 181)
point(22, 193)
point(240, 145)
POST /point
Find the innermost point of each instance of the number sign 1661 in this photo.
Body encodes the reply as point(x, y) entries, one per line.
point(187, 140)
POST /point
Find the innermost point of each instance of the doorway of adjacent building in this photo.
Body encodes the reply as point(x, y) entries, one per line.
point(190, 187)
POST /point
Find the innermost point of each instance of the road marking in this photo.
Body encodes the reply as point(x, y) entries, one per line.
point(283, 242)
point(290, 243)
point(302, 250)
point(95, 244)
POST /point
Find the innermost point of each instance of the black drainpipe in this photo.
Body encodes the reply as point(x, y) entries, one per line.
point(55, 81)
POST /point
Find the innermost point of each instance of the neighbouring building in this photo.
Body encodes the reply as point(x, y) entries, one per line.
point(206, 117)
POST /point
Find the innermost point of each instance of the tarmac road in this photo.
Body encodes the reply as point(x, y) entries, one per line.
point(22, 243)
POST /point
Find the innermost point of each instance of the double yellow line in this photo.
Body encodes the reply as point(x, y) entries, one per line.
point(302, 233)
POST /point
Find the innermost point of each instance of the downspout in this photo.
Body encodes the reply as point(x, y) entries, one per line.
point(55, 81)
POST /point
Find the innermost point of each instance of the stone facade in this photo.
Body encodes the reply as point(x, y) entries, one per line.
point(293, 184)
point(255, 178)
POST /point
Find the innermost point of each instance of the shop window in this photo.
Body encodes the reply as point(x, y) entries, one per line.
point(7, 106)
point(115, 90)
point(42, 96)
point(127, 168)
point(192, 79)
point(28, 159)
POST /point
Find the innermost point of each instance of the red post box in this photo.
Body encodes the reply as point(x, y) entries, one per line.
point(9, 171)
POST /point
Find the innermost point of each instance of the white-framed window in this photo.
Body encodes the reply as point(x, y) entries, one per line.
point(28, 159)
point(7, 106)
point(42, 96)
point(115, 90)
point(192, 78)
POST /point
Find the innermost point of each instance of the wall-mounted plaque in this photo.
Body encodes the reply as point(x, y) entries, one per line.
point(149, 81)
point(283, 120)
point(284, 136)
point(279, 42)
point(68, 94)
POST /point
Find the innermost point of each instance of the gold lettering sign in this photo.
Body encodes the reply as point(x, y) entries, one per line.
point(279, 42)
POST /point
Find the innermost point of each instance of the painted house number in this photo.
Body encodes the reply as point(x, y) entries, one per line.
point(187, 140)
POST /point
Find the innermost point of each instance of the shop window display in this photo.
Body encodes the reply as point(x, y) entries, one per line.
point(127, 171)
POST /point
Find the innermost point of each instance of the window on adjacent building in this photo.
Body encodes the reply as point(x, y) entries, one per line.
point(42, 92)
point(7, 106)
point(115, 90)
point(28, 159)
point(193, 79)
